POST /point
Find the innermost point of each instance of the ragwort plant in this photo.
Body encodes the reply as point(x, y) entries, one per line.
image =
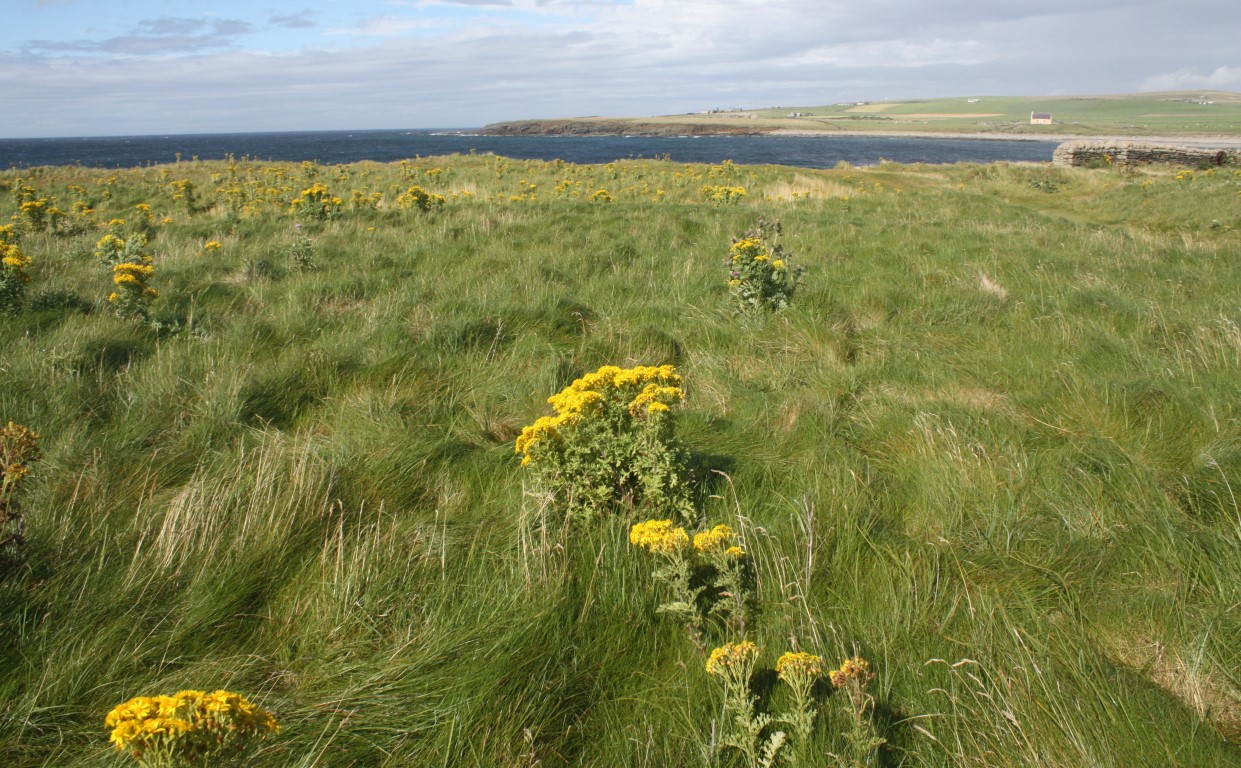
point(743, 728)
point(417, 197)
point(799, 671)
point(13, 276)
point(761, 276)
point(18, 448)
point(132, 295)
point(705, 579)
point(189, 729)
point(851, 679)
point(612, 444)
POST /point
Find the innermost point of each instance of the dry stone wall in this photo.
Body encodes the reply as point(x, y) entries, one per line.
point(1075, 153)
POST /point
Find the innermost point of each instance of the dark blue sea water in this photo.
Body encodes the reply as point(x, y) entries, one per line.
point(386, 146)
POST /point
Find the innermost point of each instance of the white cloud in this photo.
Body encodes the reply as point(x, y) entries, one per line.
point(1189, 79)
point(436, 63)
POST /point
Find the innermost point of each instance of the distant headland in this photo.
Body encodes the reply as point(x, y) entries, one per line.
point(1208, 118)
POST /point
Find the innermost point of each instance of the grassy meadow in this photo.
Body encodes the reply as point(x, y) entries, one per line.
point(993, 447)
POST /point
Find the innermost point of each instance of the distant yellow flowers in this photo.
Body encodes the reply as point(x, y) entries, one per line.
point(722, 194)
point(212, 245)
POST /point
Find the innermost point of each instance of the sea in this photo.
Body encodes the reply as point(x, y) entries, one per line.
point(336, 147)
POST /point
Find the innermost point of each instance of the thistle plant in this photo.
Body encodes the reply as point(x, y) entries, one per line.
point(799, 671)
point(13, 275)
point(612, 443)
point(188, 729)
point(742, 727)
point(18, 448)
point(761, 275)
point(851, 679)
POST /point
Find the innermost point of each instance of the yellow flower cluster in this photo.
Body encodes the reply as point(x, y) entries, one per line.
point(417, 197)
point(11, 255)
point(131, 280)
point(212, 245)
point(722, 194)
point(316, 202)
point(731, 656)
point(18, 447)
point(109, 248)
point(655, 398)
point(657, 387)
point(545, 429)
point(191, 726)
point(855, 671)
point(659, 537)
point(715, 540)
point(748, 249)
point(799, 665)
point(131, 274)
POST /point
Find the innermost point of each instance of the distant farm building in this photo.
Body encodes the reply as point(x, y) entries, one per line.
point(1040, 118)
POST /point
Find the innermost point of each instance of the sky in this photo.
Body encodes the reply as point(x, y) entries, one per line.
point(142, 67)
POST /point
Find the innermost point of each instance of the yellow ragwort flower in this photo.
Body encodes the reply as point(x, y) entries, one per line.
point(716, 539)
point(855, 670)
point(731, 656)
point(659, 537)
point(799, 665)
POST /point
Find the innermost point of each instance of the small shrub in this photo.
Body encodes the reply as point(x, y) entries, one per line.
point(612, 443)
point(761, 276)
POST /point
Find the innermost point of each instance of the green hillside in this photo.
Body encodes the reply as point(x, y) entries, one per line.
point(992, 447)
point(1139, 114)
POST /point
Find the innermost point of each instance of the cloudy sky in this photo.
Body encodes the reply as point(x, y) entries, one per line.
point(113, 67)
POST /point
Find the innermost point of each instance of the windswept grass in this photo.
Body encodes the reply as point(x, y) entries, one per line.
point(993, 446)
